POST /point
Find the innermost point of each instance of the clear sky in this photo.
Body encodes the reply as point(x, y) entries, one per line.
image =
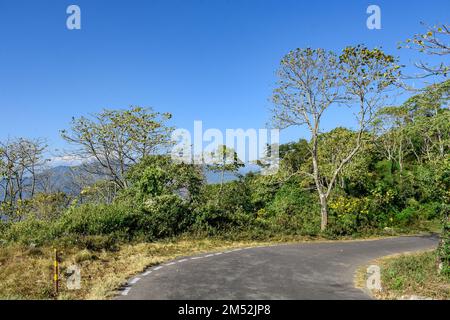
point(209, 60)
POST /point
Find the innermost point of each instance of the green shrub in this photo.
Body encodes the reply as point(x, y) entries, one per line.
point(163, 216)
point(349, 215)
point(3, 228)
point(294, 210)
point(28, 231)
point(444, 247)
point(158, 175)
point(213, 219)
point(98, 219)
point(416, 212)
point(224, 208)
point(406, 217)
point(48, 206)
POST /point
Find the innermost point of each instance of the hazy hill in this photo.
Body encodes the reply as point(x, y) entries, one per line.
point(59, 178)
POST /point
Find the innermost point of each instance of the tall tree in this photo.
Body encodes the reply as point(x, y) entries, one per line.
point(427, 123)
point(112, 140)
point(313, 80)
point(224, 160)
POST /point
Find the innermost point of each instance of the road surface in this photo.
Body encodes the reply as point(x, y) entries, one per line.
point(288, 271)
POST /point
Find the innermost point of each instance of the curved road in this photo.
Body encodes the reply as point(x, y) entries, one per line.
point(289, 271)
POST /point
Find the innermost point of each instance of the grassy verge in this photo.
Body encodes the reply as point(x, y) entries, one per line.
point(406, 275)
point(26, 273)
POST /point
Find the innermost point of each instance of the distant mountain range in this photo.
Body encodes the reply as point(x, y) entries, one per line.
point(61, 180)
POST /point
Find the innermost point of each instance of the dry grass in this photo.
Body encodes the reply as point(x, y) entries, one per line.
point(405, 275)
point(27, 273)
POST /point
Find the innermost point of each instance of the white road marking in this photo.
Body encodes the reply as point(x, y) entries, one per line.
point(135, 280)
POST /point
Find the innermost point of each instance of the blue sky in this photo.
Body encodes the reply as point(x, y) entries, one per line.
point(209, 60)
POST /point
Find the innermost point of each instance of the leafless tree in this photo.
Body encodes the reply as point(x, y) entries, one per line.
point(22, 160)
point(112, 140)
point(313, 80)
point(434, 42)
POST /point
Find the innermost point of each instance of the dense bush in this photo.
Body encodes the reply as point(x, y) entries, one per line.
point(349, 215)
point(165, 199)
point(158, 175)
point(293, 210)
point(48, 206)
point(444, 247)
point(98, 219)
point(28, 231)
point(224, 208)
point(164, 216)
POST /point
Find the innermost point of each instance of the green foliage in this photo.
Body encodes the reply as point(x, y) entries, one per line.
point(158, 175)
point(98, 219)
point(164, 216)
point(368, 70)
point(116, 139)
point(349, 215)
point(293, 209)
point(232, 212)
point(416, 274)
point(396, 176)
point(214, 220)
point(444, 246)
point(223, 160)
point(294, 155)
point(48, 206)
point(262, 189)
point(28, 231)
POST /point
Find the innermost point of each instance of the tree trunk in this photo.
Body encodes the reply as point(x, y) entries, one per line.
point(222, 178)
point(323, 212)
point(319, 187)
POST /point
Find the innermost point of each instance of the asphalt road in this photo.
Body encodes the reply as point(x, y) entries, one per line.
point(290, 271)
